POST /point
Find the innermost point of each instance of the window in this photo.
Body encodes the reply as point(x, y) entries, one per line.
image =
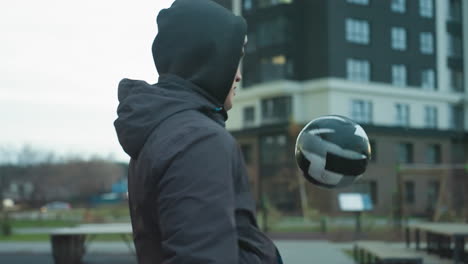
point(273, 149)
point(402, 115)
point(433, 155)
point(430, 116)
point(426, 42)
point(428, 79)
point(249, 115)
point(456, 80)
point(456, 117)
point(14, 187)
point(272, 32)
point(247, 153)
point(409, 192)
point(454, 46)
point(275, 68)
point(359, 2)
point(373, 146)
point(268, 3)
point(247, 5)
point(361, 111)
point(358, 70)
point(250, 72)
point(399, 75)
point(276, 109)
point(357, 31)
point(398, 38)
point(432, 194)
point(454, 10)
point(399, 6)
point(405, 153)
point(251, 42)
point(425, 8)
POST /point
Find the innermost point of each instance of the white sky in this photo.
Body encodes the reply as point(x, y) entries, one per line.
point(60, 63)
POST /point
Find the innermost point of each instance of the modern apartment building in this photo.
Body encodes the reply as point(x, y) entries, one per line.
point(397, 67)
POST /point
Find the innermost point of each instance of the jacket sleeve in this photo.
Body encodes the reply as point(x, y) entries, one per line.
point(196, 202)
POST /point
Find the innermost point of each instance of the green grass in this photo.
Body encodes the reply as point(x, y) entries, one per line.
point(46, 238)
point(111, 211)
point(119, 213)
point(25, 237)
point(295, 229)
point(330, 229)
point(41, 223)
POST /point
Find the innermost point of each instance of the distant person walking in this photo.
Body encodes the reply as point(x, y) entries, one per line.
point(189, 195)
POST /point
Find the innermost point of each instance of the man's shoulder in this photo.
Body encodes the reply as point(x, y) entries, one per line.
point(196, 120)
point(182, 130)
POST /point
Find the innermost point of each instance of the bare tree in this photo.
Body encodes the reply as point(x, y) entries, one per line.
point(54, 177)
point(7, 155)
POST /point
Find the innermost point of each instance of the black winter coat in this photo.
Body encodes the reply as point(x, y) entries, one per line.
point(189, 195)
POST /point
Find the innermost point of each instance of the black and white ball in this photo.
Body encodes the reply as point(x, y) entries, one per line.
point(332, 151)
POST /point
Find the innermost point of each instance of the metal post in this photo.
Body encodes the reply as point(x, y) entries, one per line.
point(417, 237)
point(2, 185)
point(407, 236)
point(358, 222)
point(429, 242)
point(355, 253)
point(3, 217)
point(399, 211)
point(458, 249)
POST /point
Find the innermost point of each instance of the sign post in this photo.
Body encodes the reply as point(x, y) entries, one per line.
point(355, 203)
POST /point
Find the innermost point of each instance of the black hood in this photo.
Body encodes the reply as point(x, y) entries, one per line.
point(143, 107)
point(196, 52)
point(200, 41)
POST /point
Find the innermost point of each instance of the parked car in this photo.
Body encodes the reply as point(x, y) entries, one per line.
point(55, 206)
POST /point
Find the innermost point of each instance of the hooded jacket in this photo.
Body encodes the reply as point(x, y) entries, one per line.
point(189, 194)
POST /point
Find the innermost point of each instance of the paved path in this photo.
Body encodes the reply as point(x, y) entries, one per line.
point(311, 252)
point(293, 252)
point(11, 258)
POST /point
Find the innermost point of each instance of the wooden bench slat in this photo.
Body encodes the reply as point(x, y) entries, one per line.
point(384, 251)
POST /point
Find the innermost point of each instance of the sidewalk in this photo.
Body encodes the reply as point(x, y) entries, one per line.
point(293, 252)
point(311, 252)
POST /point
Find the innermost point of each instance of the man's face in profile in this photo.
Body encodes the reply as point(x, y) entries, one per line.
point(237, 79)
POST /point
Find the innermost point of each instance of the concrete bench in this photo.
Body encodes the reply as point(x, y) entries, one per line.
point(377, 252)
point(69, 244)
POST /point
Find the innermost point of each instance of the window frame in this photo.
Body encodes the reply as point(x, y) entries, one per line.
point(430, 116)
point(399, 75)
point(426, 43)
point(271, 113)
point(434, 154)
point(357, 31)
point(399, 38)
point(359, 2)
point(428, 81)
point(408, 149)
point(402, 114)
point(398, 6)
point(410, 189)
point(362, 111)
point(358, 70)
point(426, 8)
point(248, 111)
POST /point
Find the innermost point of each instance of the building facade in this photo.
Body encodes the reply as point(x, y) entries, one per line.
point(397, 67)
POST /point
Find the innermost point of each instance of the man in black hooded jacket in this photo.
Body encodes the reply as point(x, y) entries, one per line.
point(189, 197)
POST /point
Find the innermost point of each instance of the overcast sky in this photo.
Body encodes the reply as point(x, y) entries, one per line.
point(60, 63)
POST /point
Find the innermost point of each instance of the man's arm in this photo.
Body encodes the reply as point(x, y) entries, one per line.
point(196, 203)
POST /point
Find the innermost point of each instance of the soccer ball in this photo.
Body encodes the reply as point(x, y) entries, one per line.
point(332, 151)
